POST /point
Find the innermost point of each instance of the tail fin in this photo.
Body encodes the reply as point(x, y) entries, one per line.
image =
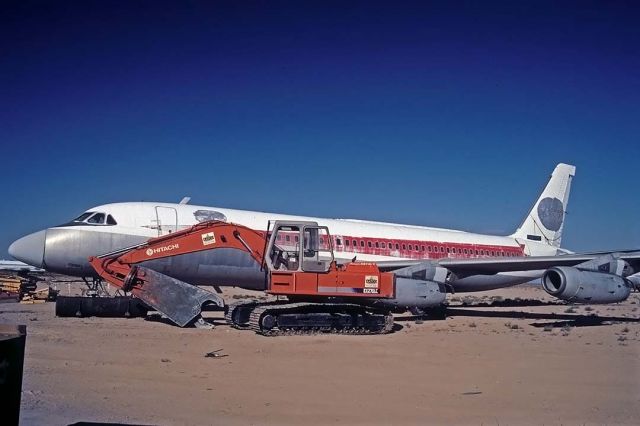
point(546, 219)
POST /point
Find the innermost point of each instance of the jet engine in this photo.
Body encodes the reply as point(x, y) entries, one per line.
point(415, 293)
point(418, 286)
point(580, 286)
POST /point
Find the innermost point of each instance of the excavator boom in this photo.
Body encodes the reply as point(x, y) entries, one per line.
point(203, 236)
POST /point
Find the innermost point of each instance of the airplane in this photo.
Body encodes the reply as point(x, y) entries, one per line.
point(466, 261)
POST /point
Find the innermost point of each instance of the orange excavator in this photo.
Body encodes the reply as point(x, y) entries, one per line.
point(315, 293)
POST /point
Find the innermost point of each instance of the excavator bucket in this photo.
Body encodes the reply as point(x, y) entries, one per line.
point(182, 303)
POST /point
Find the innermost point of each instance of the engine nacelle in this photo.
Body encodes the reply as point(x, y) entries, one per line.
point(575, 285)
point(418, 293)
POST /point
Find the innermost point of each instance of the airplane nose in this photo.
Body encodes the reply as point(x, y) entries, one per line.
point(29, 249)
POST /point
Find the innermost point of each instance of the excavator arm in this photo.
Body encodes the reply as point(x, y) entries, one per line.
point(179, 301)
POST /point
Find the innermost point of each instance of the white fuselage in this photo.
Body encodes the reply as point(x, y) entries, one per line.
point(66, 248)
point(369, 241)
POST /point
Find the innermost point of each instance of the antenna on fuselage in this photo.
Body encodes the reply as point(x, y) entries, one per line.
point(185, 200)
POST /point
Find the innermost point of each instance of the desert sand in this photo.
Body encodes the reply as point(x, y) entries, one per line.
point(527, 360)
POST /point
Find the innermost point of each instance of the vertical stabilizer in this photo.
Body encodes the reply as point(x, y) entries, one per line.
point(545, 221)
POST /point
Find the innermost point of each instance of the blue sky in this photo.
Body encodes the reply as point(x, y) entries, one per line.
point(447, 114)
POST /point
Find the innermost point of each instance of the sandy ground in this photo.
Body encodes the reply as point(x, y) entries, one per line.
point(510, 364)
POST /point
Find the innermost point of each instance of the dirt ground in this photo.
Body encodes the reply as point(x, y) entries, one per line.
point(529, 360)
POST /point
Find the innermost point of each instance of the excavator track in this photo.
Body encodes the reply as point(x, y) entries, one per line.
point(237, 314)
point(313, 318)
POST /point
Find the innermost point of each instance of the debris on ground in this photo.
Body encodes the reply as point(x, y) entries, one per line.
point(215, 354)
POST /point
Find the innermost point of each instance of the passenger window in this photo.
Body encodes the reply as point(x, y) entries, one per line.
point(369, 244)
point(355, 243)
point(384, 245)
point(397, 246)
point(338, 242)
point(96, 218)
point(111, 220)
point(410, 247)
point(377, 244)
point(361, 243)
point(346, 242)
point(441, 249)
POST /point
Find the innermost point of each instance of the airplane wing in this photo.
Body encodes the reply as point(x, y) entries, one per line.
point(490, 266)
point(18, 267)
point(581, 278)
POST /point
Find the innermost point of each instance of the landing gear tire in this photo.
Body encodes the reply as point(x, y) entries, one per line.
point(112, 307)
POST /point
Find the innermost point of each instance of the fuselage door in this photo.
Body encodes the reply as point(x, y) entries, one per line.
point(166, 219)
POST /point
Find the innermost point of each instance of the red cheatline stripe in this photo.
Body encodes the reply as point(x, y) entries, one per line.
point(416, 249)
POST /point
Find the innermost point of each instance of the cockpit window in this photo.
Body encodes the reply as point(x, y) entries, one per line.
point(82, 217)
point(96, 218)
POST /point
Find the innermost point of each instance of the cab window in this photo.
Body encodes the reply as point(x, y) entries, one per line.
point(111, 220)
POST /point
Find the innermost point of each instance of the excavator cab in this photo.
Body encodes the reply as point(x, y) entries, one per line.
point(299, 246)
